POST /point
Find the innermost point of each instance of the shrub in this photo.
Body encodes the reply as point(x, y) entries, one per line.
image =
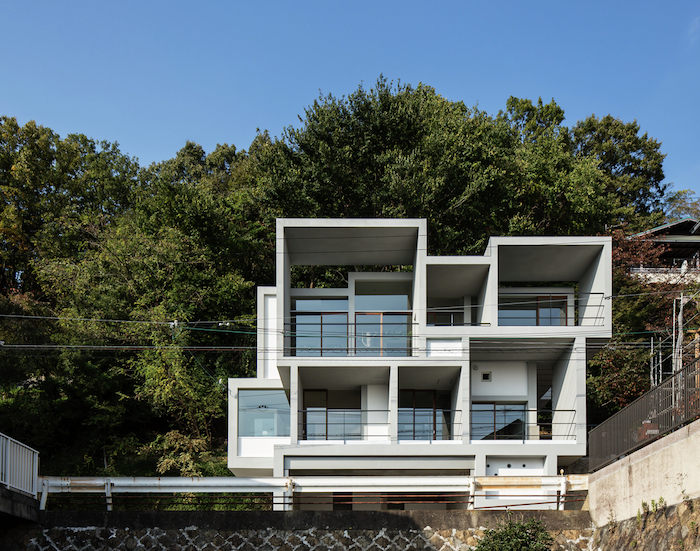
point(516, 536)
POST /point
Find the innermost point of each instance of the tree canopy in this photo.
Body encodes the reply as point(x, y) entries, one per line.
point(127, 293)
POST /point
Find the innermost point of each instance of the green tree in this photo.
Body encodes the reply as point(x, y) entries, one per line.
point(620, 372)
point(681, 204)
point(516, 536)
point(29, 185)
point(631, 163)
point(399, 151)
point(171, 271)
point(555, 193)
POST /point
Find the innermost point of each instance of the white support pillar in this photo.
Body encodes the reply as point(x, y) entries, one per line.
point(394, 403)
point(295, 399)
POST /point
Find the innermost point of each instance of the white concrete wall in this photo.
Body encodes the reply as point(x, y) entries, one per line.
point(268, 331)
point(594, 307)
point(375, 404)
point(662, 469)
point(508, 380)
point(444, 347)
point(260, 446)
point(569, 393)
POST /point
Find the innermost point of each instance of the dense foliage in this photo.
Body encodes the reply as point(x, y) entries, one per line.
point(516, 536)
point(127, 293)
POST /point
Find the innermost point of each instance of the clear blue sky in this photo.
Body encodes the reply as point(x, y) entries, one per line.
point(153, 74)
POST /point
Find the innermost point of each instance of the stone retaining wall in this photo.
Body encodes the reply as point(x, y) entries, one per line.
point(289, 531)
point(665, 529)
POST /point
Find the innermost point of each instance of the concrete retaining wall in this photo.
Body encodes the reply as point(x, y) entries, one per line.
point(668, 468)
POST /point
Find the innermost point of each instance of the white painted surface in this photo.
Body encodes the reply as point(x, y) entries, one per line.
point(444, 347)
point(260, 446)
point(514, 466)
point(520, 467)
point(376, 415)
point(507, 379)
point(270, 338)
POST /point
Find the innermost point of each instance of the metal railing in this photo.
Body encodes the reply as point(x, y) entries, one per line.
point(542, 491)
point(550, 309)
point(429, 424)
point(674, 265)
point(515, 422)
point(388, 335)
point(510, 422)
point(19, 466)
point(361, 424)
point(671, 404)
point(343, 424)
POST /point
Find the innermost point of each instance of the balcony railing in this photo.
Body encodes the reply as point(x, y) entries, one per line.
point(19, 466)
point(669, 266)
point(664, 408)
point(429, 424)
point(514, 422)
point(550, 309)
point(359, 424)
point(330, 335)
point(343, 424)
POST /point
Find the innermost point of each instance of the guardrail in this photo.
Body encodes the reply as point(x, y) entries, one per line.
point(19, 466)
point(433, 489)
point(664, 408)
point(518, 423)
point(363, 424)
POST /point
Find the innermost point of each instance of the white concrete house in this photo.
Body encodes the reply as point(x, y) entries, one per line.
point(421, 365)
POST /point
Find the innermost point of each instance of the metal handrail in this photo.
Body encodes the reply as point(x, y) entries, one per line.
point(549, 424)
point(574, 314)
point(364, 424)
point(430, 424)
point(343, 424)
point(664, 408)
point(19, 466)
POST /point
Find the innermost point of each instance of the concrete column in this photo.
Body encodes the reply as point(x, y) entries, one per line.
point(532, 401)
point(295, 403)
point(283, 282)
point(394, 404)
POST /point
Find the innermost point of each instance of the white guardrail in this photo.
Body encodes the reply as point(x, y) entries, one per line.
point(285, 488)
point(19, 466)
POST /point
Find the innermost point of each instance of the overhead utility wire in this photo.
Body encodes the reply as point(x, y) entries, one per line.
point(252, 320)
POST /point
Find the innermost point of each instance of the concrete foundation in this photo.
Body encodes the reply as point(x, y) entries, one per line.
point(669, 469)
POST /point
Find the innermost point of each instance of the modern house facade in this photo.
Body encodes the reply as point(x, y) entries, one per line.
point(680, 259)
point(419, 365)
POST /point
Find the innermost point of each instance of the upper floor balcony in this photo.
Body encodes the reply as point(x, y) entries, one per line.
point(372, 317)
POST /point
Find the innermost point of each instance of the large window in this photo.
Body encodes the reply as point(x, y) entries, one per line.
point(425, 415)
point(263, 413)
point(532, 310)
point(320, 327)
point(494, 421)
point(382, 325)
point(321, 422)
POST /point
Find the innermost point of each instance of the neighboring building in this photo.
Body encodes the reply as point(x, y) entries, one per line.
point(681, 256)
point(421, 365)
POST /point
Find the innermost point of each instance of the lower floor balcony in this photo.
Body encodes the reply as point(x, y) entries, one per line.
point(357, 424)
point(487, 422)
